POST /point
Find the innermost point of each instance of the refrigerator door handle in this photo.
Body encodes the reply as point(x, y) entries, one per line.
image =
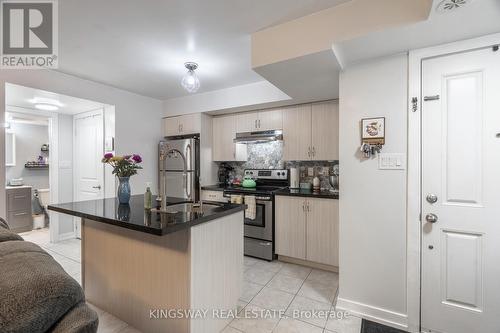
point(188, 153)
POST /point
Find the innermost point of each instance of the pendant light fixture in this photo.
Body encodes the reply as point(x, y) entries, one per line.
point(190, 81)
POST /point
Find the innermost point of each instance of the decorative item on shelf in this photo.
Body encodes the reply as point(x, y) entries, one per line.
point(316, 184)
point(123, 167)
point(45, 147)
point(372, 136)
point(40, 163)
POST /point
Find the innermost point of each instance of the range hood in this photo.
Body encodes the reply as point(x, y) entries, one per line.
point(259, 137)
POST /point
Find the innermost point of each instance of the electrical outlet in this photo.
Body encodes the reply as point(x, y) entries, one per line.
point(310, 172)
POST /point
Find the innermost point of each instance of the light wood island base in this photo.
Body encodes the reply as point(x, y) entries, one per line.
point(133, 275)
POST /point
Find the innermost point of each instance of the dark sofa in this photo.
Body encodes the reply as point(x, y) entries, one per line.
point(36, 294)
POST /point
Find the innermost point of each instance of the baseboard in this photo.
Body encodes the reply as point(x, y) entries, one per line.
point(308, 263)
point(378, 315)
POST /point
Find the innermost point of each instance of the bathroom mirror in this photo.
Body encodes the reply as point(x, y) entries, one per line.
point(10, 149)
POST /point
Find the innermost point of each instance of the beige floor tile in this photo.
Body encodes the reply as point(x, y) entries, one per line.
point(272, 299)
point(129, 329)
point(286, 283)
point(250, 290)
point(230, 329)
point(70, 266)
point(296, 271)
point(70, 248)
point(241, 305)
point(350, 324)
point(40, 237)
point(273, 266)
point(99, 311)
point(303, 309)
point(258, 276)
point(110, 324)
point(249, 261)
point(318, 291)
point(256, 320)
point(324, 277)
point(289, 325)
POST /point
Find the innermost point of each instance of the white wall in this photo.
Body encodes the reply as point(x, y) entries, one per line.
point(372, 201)
point(29, 140)
point(138, 125)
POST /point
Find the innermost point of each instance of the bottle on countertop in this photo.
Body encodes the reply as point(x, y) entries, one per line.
point(148, 197)
point(316, 184)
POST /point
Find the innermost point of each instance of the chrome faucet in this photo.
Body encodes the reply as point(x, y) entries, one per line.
point(162, 193)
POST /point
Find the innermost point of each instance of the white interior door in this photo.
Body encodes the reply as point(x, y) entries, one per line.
point(88, 153)
point(461, 167)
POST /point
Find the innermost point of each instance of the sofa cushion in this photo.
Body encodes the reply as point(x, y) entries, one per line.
point(35, 290)
point(80, 319)
point(7, 235)
point(3, 224)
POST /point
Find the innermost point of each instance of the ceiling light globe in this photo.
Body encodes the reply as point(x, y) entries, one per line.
point(190, 81)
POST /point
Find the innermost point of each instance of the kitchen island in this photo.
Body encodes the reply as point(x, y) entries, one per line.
point(148, 268)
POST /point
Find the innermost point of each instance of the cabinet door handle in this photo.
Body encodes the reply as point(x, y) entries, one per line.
point(20, 214)
point(259, 123)
point(255, 125)
point(309, 151)
point(19, 197)
point(308, 207)
point(313, 151)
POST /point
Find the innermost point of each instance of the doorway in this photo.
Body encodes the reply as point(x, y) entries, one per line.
point(460, 234)
point(61, 158)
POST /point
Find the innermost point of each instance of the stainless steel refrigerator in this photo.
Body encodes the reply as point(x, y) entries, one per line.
point(180, 183)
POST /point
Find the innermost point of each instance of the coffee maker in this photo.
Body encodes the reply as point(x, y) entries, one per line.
point(223, 174)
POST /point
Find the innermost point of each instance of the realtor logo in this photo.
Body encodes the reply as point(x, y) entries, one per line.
point(29, 34)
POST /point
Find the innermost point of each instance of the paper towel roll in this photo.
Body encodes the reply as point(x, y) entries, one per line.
point(294, 178)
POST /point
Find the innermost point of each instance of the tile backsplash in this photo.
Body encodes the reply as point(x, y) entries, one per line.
point(269, 156)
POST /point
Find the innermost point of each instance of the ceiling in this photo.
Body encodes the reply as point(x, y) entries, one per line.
point(142, 46)
point(18, 98)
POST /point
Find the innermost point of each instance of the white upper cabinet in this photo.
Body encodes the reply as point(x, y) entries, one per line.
point(325, 131)
point(182, 125)
point(259, 121)
point(297, 133)
point(224, 149)
point(310, 132)
point(247, 122)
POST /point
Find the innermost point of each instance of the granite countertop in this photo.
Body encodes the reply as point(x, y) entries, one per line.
point(325, 194)
point(134, 216)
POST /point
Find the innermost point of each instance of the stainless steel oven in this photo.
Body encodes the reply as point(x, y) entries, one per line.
point(259, 231)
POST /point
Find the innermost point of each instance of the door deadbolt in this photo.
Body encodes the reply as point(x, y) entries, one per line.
point(431, 218)
point(431, 198)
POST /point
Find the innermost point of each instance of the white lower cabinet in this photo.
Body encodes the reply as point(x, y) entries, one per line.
point(307, 229)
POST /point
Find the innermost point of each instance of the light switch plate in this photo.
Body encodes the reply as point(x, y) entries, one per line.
point(310, 171)
point(393, 161)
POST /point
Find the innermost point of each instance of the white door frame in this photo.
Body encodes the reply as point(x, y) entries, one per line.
point(414, 203)
point(75, 165)
point(53, 118)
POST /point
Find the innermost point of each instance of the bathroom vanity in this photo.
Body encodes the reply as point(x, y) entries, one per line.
point(19, 208)
point(138, 265)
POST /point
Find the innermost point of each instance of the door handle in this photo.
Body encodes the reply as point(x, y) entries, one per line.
point(431, 218)
point(431, 98)
point(98, 187)
point(431, 198)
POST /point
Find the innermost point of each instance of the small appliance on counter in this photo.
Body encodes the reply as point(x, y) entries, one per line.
point(224, 173)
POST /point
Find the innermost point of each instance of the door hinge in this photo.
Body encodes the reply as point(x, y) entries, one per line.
point(414, 104)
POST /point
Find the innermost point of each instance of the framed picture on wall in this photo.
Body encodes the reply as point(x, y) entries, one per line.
point(373, 130)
